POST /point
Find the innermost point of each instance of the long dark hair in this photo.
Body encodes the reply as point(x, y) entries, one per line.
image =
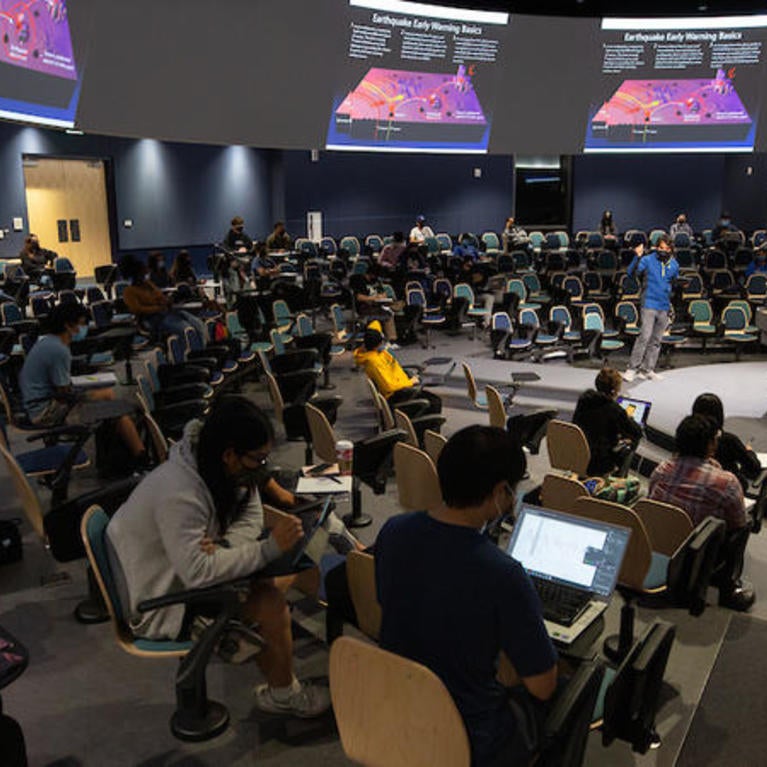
point(237, 423)
point(710, 405)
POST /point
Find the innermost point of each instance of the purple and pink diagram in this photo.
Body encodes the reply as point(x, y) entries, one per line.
point(413, 97)
point(673, 103)
point(34, 34)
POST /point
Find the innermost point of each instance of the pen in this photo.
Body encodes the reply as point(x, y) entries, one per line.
point(333, 479)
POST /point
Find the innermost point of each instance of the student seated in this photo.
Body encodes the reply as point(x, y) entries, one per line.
point(46, 381)
point(370, 301)
point(452, 600)
point(197, 520)
point(611, 433)
point(694, 481)
point(144, 299)
point(731, 453)
point(382, 368)
point(157, 271)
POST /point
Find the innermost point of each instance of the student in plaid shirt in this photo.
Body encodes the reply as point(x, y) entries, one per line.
point(695, 482)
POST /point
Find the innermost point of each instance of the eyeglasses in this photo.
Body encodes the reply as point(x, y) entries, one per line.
point(254, 460)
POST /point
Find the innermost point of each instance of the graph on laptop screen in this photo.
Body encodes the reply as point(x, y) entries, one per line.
point(636, 409)
point(569, 549)
point(417, 77)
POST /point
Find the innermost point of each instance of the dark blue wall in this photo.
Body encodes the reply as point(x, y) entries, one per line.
point(647, 191)
point(745, 190)
point(176, 194)
point(361, 193)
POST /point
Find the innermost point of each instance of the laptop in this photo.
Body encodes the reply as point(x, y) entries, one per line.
point(573, 563)
point(638, 409)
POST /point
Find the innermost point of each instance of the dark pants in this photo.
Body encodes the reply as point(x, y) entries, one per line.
point(730, 565)
point(403, 395)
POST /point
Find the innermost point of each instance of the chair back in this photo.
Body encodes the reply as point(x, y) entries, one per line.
point(417, 481)
point(323, 436)
point(93, 527)
point(495, 407)
point(159, 443)
point(667, 526)
point(567, 726)
point(276, 396)
point(304, 325)
point(471, 384)
point(393, 711)
point(568, 447)
point(30, 503)
point(560, 493)
point(402, 421)
point(361, 576)
point(636, 562)
point(632, 698)
point(278, 342)
point(387, 417)
point(433, 442)
point(501, 321)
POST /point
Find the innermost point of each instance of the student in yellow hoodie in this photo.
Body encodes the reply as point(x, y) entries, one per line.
point(387, 374)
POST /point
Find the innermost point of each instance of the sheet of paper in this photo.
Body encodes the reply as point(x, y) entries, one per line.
point(94, 380)
point(762, 459)
point(318, 485)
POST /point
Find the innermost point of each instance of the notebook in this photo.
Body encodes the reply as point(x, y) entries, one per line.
point(573, 563)
point(638, 409)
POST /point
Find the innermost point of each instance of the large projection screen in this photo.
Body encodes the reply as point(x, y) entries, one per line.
point(678, 85)
point(394, 75)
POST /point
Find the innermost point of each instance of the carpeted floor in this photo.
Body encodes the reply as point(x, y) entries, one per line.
point(728, 727)
point(83, 702)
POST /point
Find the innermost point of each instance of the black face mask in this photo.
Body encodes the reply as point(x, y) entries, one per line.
point(247, 477)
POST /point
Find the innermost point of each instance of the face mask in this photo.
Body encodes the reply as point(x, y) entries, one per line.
point(246, 477)
point(82, 331)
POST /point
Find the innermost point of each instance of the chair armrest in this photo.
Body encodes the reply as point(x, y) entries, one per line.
point(221, 591)
point(192, 407)
point(75, 431)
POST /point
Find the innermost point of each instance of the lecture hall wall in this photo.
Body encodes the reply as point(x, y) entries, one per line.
point(180, 194)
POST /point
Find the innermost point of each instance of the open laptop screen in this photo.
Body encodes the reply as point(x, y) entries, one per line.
point(638, 409)
point(567, 549)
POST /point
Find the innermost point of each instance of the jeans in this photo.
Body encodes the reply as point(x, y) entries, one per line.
point(647, 345)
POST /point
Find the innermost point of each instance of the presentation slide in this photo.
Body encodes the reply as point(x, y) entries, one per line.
point(678, 85)
point(38, 74)
point(417, 77)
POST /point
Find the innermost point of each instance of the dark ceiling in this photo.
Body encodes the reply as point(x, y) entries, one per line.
point(626, 8)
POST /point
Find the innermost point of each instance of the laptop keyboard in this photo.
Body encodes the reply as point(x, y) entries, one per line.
point(561, 604)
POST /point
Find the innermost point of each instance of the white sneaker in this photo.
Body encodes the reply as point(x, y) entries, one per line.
point(305, 702)
point(629, 375)
point(653, 376)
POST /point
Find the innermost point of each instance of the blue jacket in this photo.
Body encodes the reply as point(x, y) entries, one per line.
point(658, 279)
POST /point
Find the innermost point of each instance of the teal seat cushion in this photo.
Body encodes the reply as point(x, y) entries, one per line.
point(481, 400)
point(610, 345)
point(48, 460)
point(599, 706)
point(161, 645)
point(658, 572)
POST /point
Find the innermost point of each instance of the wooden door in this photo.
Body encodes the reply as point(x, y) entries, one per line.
point(67, 200)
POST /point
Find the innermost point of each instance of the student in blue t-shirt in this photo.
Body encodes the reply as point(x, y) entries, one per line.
point(46, 380)
point(660, 269)
point(452, 600)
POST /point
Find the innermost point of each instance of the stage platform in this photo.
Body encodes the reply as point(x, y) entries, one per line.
point(742, 387)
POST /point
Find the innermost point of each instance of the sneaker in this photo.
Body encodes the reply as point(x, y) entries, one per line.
point(653, 376)
point(739, 599)
point(306, 701)
point(392, 346)
point(642, 374)
point(629, 375)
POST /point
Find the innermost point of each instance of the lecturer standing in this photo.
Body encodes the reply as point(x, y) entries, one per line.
point(659, 268)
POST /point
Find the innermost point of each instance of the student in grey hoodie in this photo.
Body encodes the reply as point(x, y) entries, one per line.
point(197, 520)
